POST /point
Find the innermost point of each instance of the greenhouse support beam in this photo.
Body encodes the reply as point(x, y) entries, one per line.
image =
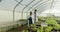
point(20, 3)
point(14, 10)
point(37, 5)
point(26, 7)
point(40, 6)
point(33, 6)
point(50, 6)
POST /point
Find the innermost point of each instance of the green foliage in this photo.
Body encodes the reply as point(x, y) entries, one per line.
point(48, 28)
point(57, 26)
point(48, 20)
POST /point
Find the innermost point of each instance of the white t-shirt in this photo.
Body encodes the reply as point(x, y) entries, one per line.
point(36, 17)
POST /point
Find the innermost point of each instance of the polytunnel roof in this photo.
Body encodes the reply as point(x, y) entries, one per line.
point(25, 5)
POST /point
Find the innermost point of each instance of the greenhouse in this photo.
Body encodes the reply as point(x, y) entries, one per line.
point(29, 15)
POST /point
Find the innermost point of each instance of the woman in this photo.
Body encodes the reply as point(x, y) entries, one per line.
point(30, 19)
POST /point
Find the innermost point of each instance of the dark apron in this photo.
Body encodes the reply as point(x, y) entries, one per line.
point(30, 20)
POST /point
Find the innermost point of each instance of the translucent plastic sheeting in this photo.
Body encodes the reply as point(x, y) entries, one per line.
point(10, 4)
point(25, 6)
point(55, 10)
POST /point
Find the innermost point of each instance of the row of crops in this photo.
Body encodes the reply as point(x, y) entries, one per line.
point(44, 24)
point(51, 25)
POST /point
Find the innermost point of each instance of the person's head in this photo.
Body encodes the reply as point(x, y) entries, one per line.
point(35, 10)
point(30, 13)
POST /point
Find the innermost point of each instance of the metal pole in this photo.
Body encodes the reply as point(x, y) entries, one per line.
point(14, 12)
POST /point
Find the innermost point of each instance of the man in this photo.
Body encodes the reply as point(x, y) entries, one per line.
point(35, 16)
